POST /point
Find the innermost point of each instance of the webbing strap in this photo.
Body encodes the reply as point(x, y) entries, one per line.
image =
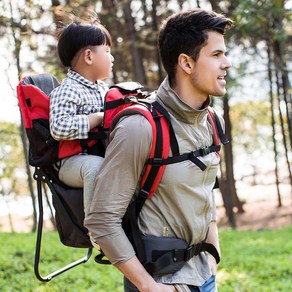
point(217, 127)
point(168, 257)
point(160, 145)
point(173, 141)
point(192, 156)
point(100, 135)
point(116, 103)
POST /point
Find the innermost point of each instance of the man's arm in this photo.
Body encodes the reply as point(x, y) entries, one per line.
point(135, 272)
point(115, 185)
point(214, 239)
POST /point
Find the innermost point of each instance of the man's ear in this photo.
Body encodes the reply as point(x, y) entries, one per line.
point(87, 56)
point(184, 63)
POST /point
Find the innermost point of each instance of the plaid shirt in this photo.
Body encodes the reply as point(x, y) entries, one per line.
point(71, 103)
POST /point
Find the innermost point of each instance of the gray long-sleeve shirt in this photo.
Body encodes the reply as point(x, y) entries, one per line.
point(183, 203)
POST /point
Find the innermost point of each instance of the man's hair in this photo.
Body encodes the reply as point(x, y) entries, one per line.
point(78, 35)
point(186, 32)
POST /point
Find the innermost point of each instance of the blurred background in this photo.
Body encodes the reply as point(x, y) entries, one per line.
point(256, 165)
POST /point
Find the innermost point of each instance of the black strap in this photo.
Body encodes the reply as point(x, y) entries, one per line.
point(220, 132)
point(192, 156)
point(116, 103)
point(100, 259)
point(132, 228)
point(100, 135)
point(178, 255)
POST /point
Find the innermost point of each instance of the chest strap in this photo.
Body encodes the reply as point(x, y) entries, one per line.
point(192, 156)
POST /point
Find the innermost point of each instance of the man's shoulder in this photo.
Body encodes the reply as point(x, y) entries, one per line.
point(133, 125)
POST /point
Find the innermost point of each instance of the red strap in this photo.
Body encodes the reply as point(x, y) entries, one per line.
point(165, 144)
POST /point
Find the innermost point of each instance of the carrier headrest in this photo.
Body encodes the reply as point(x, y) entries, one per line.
point(45, 82)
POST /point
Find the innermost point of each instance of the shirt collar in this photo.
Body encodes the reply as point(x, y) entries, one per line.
point(176, 106)
point(80, 79)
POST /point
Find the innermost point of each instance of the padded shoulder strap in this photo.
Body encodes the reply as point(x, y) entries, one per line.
point(217, 127)
point(159, 147)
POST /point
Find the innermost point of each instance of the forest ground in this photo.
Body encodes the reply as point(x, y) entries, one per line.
point(260, 206)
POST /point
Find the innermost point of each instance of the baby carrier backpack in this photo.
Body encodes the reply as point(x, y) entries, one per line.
point(122, 99)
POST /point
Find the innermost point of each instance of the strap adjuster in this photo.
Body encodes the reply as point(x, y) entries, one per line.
point(204, 151)
point(143, 193)
point(193, 250)
point(155, 161)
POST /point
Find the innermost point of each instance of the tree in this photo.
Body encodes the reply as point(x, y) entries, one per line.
point(18, 24)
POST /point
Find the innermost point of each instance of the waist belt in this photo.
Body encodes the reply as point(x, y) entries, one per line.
point(171, 257)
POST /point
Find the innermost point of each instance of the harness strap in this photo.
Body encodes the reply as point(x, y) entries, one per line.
point(169, 257)
point(187, 156)
point(122, 101)
point(100, 135)
point(217, 127)
point(158, 159)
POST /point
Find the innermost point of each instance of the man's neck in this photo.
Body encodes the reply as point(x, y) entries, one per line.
point(189, 95)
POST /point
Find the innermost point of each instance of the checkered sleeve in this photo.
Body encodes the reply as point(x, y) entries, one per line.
point(65, 123)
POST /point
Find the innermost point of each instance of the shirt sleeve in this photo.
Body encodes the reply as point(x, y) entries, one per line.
point(214, 209)
point(65, 123)
point(116, 184)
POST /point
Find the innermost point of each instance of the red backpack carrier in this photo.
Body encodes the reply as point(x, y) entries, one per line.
point(122, 99)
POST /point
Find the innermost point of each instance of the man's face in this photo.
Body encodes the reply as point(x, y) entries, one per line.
point(210, 68)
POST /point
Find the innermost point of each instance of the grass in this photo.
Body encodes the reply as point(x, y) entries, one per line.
point(252, 261)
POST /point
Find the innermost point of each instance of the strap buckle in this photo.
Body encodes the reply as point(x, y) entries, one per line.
point(193, 250)
point(204, 151)
point(143, 194)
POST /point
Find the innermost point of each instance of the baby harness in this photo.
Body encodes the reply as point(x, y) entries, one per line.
point(121, 100)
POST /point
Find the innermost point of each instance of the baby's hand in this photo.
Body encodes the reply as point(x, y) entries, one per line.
point(95, 119)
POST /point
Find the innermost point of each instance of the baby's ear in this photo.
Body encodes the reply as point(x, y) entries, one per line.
point(87, 55)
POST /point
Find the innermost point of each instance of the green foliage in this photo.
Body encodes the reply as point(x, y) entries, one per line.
point(251, 126)
point(251, 261)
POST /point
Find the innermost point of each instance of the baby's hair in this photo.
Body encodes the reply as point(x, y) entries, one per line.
point(80, 34)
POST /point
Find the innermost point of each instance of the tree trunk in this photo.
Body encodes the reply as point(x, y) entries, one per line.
point(16, 53)
point(283, 129)
point(138, 67)
point(229, 159)
point(280, 62)
point(155, 29)
point(273, 122)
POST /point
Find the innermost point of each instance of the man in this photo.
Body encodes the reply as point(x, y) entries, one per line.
point(192, 50)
